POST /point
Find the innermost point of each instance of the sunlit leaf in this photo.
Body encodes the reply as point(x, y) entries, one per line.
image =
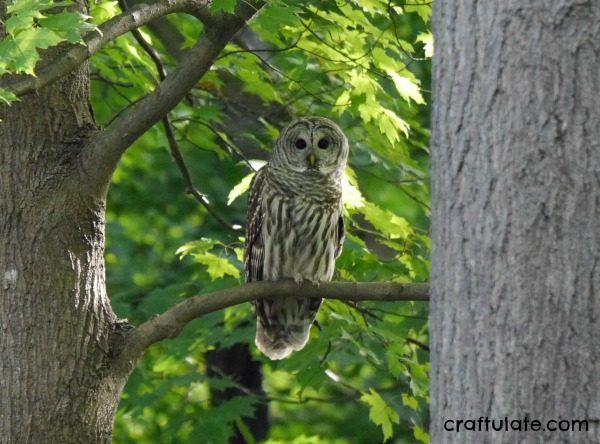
point(7, 96)
point(104, 10)
point(427, 39)
point(407, 88)
point(240, 188)
point(420, 434)
point(380, 412)
point(69, 25)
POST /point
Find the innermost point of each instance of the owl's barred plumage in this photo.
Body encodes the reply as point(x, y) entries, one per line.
point(295, 227)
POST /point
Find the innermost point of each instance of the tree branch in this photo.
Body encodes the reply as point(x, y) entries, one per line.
point(94, 41)
point(170, 323)
point(106, 148)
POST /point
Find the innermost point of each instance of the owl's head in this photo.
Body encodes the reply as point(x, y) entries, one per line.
point(311, 144)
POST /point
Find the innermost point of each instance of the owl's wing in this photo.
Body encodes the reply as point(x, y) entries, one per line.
point(340, 236)
point(254, 254)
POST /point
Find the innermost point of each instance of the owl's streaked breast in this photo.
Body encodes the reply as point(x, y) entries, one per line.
point(300, 237)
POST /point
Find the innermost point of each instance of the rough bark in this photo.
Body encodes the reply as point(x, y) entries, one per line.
point(55, 317)
point(515, 311)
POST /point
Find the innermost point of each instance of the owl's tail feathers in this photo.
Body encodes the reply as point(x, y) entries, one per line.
point(283, 326)
point(279, 343)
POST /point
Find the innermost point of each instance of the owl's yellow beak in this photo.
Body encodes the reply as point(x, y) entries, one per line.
point(312, 160)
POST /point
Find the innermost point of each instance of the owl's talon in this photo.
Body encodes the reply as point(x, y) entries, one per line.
point(316, 282)
point(298, 279)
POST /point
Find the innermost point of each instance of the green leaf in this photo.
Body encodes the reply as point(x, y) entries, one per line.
point(215, 424)
point(69, 25)
point(19, 22)
point(418, 374)
point(351, 195)
point(223, 5)
point(27, 6)
point(420, 434)
point(274, 17)
point(391, 125)
point(304, 439)
point(240, 188)
point(369, 110)
point(407, 88)
point(198, 246)
point(418, 6)
point(344, 99)
point(427, 39)
point(410, 401)
point(37, 38)
point(216, 266)
point(380, 413)
point(7, 96)
point(103, 11)
point(388, 223)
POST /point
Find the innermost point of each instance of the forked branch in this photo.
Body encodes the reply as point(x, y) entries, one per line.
point(106, 148)
point(170, 323)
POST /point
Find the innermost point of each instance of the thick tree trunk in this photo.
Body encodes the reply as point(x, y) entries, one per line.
point(515, 312)
point(55, 317)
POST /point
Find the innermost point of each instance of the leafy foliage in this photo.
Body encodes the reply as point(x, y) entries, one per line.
point(33, 25)
point(363, 375)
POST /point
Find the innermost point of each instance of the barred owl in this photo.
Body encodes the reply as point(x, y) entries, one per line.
point(295, 228)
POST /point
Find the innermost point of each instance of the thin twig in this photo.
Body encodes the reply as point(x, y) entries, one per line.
point(391, 14)
point(418, 343)
point(240, 51)
point(187, 177)
point(362, 310)
point(369, 312)
point(266, 398)
point(231, 147)
point(172, 140)
point(100, 77)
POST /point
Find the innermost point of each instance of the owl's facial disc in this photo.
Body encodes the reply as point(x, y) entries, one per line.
point(312, 144)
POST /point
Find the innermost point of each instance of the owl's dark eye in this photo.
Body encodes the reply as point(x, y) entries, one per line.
point(300, 144)
point(323, 143)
